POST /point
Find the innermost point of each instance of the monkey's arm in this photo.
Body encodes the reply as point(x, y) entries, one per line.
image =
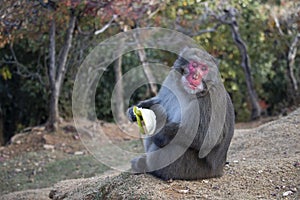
point(220, 126)
point(166, 134)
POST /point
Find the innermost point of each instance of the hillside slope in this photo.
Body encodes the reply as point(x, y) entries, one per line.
point(264, 163)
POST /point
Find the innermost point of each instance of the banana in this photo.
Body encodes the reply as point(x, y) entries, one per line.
point(146, 120)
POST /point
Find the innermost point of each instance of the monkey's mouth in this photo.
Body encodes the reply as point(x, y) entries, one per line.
point(193, 88)
point(199, 87)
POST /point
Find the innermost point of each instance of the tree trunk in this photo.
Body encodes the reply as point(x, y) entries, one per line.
point(1, 129)
point(291, 62)
point(256, 110)
point(292, 90)
point(53, 107)
point(57, 70)
point(119, 100)
point(148, 73)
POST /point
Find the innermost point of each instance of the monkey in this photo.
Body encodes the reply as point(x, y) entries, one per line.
point(195, 122)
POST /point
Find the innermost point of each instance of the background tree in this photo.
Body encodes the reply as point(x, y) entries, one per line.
point(286, 22)
point(25, 53)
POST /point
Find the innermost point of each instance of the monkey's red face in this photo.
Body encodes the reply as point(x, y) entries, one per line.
point(193, 76)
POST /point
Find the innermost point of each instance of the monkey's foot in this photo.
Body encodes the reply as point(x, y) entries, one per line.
point(138, 165)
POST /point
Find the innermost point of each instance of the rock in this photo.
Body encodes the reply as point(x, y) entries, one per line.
point(78, 153)
point(205, 181)
point(183, 191)
point(18, 170)
point(38, 128)
point(76, 137)
point(17, 138)
point(49, 139)
point(287, 193)
point(48, 146)
point(294, 189)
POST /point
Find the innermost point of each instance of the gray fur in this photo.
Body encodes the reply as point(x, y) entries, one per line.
point(192, 139)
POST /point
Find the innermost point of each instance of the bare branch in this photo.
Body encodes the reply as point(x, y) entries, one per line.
point(210, 30)
point(151, 15)
point(106, 26)
point(277, 24)
point(87, 33)
point(22, 70)
point(291, 60)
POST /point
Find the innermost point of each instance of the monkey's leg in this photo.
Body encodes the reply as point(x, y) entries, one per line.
point(139, 164)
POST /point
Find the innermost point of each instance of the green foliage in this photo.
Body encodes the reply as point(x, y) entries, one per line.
point(5, 73)
point(25, 90)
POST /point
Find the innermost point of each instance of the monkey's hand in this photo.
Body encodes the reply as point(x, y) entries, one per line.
point(143, 104)
point(130, 114)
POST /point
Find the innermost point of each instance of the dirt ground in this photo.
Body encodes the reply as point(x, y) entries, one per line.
point(264, 163)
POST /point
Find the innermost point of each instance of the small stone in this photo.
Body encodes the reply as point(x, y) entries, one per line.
point(18, 170)
point(287, 193)
point(76, 137)
point(205, 181)
point(235, 161)
point(78, 153)
point(170, 181)
point(18, 142)
point(260, 171)
point(183, 191)
point(216, 187)
point(48, 147)
point(294, 189)
point(273, 194)
point(297, 164)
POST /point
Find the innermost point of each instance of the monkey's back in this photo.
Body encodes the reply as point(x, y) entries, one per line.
point(189, 166)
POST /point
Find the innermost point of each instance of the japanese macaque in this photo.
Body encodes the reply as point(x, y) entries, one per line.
point(195, 122)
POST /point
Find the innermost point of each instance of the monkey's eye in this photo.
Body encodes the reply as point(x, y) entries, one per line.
point(204, 68)
point(194, 64)
point(185, 70)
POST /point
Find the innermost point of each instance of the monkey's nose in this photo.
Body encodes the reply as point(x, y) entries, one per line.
point(196, 76)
